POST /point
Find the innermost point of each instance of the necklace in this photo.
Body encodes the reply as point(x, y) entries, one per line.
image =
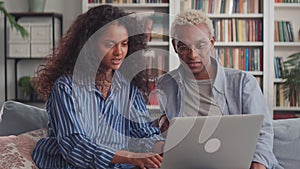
point(103, 84)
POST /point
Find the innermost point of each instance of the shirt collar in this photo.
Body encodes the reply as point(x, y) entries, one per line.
point(219, 83)
point(118, 81)
point(220, 80)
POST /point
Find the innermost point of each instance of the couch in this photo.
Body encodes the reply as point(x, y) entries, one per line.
point(22, 125)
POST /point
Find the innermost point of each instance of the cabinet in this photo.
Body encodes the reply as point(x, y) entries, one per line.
point(45, 29)
point(284, 16)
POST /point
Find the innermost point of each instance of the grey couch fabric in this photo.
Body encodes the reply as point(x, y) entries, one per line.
point(17, 118)
point(287, 142)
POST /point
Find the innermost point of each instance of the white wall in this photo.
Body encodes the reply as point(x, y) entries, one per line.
point(70, 9)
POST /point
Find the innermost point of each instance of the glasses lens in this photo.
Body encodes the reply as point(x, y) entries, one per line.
point(184, 50)
point(199, 48)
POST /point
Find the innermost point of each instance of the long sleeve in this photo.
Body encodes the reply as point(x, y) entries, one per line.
point(68, 137)
point(85, 130)
point(253, 102)
point(143, 133)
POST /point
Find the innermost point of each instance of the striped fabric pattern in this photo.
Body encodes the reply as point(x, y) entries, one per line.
point(85, 130)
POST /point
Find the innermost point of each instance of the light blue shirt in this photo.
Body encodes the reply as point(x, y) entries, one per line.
point(235, 91)
point(85, 130)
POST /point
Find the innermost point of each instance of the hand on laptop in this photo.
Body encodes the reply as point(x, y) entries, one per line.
point(255, 165)
point(163, 123)
point(141, 160)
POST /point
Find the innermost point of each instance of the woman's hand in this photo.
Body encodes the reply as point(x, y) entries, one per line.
point(158, 147)
point(142, 160)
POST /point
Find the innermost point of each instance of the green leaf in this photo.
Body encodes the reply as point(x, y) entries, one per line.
point(13, 22)
point(291, 76)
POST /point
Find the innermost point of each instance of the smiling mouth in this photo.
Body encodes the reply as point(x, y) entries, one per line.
point(116, 61)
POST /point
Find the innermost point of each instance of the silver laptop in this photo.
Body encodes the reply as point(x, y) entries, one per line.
point(211, 142)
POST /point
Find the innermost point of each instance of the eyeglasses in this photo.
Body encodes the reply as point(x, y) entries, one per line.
point(200, 47)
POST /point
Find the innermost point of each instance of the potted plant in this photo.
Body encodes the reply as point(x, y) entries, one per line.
point(36, 5)
point(13, 22)
point(26, 87)
point(291, 77)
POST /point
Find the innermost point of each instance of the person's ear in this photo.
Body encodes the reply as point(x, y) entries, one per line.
point(174, 45)
point(212, 40)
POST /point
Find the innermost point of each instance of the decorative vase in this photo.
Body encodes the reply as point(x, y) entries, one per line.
point(36, 5)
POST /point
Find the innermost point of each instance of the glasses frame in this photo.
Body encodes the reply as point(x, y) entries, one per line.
point(204, 48)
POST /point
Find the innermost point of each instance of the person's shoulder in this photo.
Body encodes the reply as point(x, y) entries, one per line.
point(236, 74)
point(231, 71)
point(62, 83)
point(64, 79)
point(168, 77)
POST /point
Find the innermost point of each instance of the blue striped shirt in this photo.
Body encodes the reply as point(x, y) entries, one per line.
point(85, 130)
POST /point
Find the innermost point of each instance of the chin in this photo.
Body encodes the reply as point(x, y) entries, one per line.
point(116, 67)
point(196, 70)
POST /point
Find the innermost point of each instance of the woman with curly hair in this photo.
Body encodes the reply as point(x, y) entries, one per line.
point(97, 115)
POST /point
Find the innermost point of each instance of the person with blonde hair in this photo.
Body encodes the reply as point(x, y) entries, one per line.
point(200, 86)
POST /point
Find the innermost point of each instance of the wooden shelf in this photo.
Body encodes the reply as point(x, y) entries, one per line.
point(286, 109)
point(239, 44)
point(133, 5)
point(235, 15)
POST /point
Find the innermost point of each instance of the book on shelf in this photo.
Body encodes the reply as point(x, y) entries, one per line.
point(145, 17)
point(155, 24)
point(155, 63)
point(287, 1)
point(237, 30)
point(277, 95)
point(276, 31)
point(223, 6)
point(160, 27)
point(283, 31)
point(285, 115)
point(278, 67)
point(280, 98)
point(243, 58)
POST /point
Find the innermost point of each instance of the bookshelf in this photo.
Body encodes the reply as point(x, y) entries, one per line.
point(284, 34)
point(257, 15)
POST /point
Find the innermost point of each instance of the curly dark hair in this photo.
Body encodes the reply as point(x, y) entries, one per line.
point(64, 56)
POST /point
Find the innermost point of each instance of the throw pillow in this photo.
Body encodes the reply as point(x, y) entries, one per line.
point(15, 151)
point(17, 118)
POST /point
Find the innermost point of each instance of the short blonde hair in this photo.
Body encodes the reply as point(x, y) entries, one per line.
point(191, 17)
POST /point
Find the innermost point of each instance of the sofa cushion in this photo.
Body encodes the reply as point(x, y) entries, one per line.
point(17, 118)
point(16, 150)
point(287, 142)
